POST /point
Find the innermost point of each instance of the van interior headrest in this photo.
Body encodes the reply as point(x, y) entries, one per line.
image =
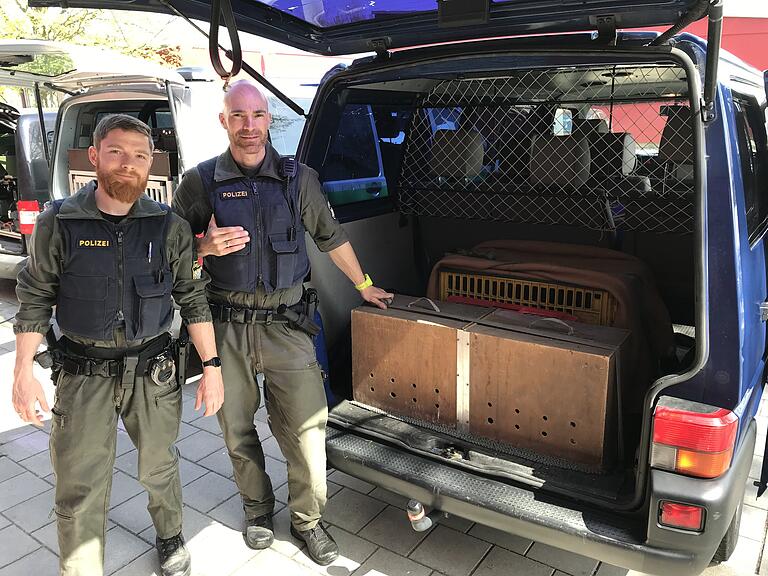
point(457, 153)
point(676, 143)
point(562, 161)
point(613, 155)
point(585, 127)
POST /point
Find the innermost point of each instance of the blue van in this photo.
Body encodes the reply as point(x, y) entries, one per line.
point(523, 123)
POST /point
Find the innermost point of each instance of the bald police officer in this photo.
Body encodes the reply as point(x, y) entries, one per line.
point(254, 208)
point(110, 259)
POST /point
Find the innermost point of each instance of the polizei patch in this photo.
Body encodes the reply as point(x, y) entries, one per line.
point(235, 194)
point(93, 243)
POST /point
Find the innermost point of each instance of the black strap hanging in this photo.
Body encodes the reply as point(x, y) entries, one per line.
point(223, 8)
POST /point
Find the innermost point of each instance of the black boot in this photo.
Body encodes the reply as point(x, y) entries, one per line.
point(174, 556)
point(321, 546)
point(259, 533)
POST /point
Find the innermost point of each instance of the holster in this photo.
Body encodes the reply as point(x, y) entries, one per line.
point(304, 318)
point(52, 357)
point(181, 353)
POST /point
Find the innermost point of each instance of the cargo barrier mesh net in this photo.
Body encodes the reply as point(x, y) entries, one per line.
point(605, 148)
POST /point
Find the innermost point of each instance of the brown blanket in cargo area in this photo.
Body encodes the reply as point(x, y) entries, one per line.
point(640, 308)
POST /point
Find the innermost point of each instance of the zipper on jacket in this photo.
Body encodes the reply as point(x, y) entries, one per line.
point(259, 233)
point(120, 317)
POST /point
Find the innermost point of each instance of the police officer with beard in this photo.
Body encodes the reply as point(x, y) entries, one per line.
point(110, 259)
point(255, 208)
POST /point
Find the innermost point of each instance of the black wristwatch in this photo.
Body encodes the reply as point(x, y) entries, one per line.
point(215, 362)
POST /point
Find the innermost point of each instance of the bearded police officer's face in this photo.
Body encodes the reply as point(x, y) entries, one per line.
point(246, 119)
point(122, 163)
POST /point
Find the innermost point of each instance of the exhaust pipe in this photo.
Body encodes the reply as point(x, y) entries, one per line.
point(420, 520)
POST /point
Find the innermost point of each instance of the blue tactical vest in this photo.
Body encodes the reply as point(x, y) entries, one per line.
point(98, 254)
point(269, 210)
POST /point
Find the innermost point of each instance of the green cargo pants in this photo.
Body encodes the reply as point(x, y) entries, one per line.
point(297, 409)
point(83, 436)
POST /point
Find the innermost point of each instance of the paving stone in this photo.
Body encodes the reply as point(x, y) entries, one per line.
point(500, 562)
point(262, 429)
point(277, 470)
point(383, 562)
point(20, 488)
point(351, 482)
point(392, 530)
point(189, 471)
point(753, 521)
point(123, 488)
point(757, 468)
point(121, 547)
point(4, 522)
point(188, 413)
point(26, 446)
point(132, 514)
point(16, 544)
point(217, 550)
point(199, 445)
point(450, 551)
point(48, 537)
point(457, 523)
point(128, 463)
point(39, 464)
point(145, 565)
point(218, 462)
point(208, 491)
point(123, 443)
point(505, 540)
point(746, 557)
point(351, 510)
point(272, 449)
point(14, 433)
point(270, 562)
point(185, 430)
point(41, 562)
point(9, 468)
point(34, 513)
point(568, 562)
point(390, 497)
point(608, 570)
point(230, 513)
point(261, 415)
point(207, 423)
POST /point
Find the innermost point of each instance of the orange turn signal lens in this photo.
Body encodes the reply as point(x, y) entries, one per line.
point(703, 464)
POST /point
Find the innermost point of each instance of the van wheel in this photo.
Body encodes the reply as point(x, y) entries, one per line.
point(731, 538)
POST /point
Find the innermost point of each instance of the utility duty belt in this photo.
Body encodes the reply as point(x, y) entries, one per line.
point(156, 358)
point(299, 316)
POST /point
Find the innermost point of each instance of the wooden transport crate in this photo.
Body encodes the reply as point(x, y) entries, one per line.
point(547, 385)
point(404, 361)
point(523, 380)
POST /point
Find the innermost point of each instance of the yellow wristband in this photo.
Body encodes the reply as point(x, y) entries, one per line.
point(364, 284)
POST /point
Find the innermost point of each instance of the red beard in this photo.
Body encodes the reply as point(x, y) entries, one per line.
point(126, 190)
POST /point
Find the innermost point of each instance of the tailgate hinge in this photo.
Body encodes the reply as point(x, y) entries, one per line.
point(606, 29)
point(381, 47)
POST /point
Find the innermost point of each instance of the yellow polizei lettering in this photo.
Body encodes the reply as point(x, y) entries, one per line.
point(93, 243)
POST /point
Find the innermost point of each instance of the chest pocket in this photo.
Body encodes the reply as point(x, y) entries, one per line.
point(152, 304)
point(285, 252)
point(81, 307)
point(234, 209)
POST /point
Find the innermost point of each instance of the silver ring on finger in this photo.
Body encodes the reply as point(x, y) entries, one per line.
point(226, 244)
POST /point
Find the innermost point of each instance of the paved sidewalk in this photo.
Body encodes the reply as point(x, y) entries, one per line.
point(369, 523)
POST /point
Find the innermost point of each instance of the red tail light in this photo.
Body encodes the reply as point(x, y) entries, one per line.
point(681, 516)
point(695, 443)
point(28, 211)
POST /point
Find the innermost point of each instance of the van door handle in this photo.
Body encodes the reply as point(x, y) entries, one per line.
point(764, 312)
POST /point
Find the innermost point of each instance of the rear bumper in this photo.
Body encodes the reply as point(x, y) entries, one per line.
point(11, 265)
point(622, 540)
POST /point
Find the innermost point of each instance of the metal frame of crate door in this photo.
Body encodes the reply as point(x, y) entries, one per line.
point(159, 188)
